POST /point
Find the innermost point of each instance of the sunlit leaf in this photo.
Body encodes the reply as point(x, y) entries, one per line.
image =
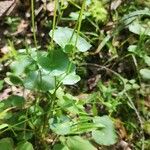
point(65, 36)
point(2, 126)
point(145, 73)
point(139, 28)
point(71, 79)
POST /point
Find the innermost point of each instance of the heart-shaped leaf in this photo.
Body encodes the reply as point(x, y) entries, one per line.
point(106, 135)
point(64, 36)
point(37, 81)
point(56, 62)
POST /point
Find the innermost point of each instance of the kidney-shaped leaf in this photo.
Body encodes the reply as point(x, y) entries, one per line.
point(6, 144)
point(106, 135)
point(37, 81)
point(24, 146)
point(65, 36)
point(56, 62)
point(78, 143)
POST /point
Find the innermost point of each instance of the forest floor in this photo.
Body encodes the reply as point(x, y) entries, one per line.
point(75, 75)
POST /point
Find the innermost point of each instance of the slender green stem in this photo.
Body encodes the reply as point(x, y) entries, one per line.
point(80, 21)
point(33, 22)
point(54, 23)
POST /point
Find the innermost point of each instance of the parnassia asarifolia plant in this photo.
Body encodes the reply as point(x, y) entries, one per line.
point(52, 118)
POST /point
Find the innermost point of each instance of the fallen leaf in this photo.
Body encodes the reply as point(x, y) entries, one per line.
point(115, 4)
point(5, 6)
point(121, 129)
point(4, 49)
point(21, 27)
point(50, 7)
point(122, 145)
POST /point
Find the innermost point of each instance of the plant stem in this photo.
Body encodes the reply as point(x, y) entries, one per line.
point(80, 21)
point(33, 23)
point(54, 24)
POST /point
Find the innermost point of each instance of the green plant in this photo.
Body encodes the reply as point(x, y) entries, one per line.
point(12, 22)
point(98, 11)
point(47, 108)
point(52, 114)
point(52, 117)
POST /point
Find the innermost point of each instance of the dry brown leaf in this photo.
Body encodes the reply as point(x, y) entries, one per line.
point(6, 7)
point(121, 129)
point(14, 91)
point(122, 145)
point(115, 4)
point(92, 82)
point(50, 7)
point(4, 49)
point(21, 27)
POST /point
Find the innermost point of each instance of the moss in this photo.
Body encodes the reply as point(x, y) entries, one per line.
point(98, 11)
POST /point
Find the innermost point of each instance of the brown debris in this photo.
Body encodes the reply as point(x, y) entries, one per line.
point(21, 27)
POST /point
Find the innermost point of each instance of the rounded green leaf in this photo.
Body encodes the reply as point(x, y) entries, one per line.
point(6, 144)
point(64, 36)
point(106, 135)
point(60, 147)
point(145, 73)
point(24, 146)
point(56, 62)
point(37, 81)
point(19, 66)
point(71, 79)
point(139, 28)
point(78, 143)
point(61, 126)
point(16, 101)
